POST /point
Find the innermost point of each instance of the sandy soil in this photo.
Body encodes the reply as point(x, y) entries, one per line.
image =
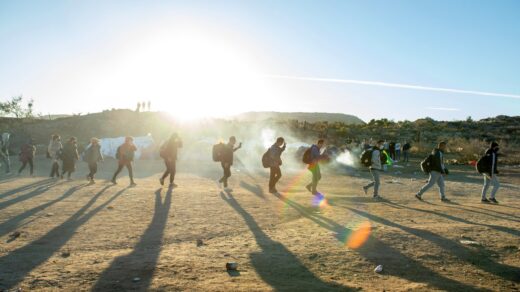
point(76, 237)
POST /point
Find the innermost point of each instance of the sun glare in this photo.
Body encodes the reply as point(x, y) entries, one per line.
point(192, 75)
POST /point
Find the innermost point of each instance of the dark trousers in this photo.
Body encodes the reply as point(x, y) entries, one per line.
point(227, 173)
point(55, 169)
point(128, 166)
point(92, 167)
point(171, 169)
point(316, 177)
point(276, 174)
point(24, 164)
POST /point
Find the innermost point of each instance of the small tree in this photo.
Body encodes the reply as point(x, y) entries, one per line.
point(15, 107)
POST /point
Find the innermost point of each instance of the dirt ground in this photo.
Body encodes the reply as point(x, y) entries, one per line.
point(77, 237)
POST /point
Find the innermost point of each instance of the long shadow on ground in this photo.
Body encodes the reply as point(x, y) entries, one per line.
point(377, 251)
point(480, 259)
point(13, 270)
point(13, 222)
point(142, 261)
point(275, 264)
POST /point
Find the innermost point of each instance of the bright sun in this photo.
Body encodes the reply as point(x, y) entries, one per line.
point(190, 75)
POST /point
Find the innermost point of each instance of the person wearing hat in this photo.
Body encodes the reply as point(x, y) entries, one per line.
point(69, 157)
point(375, 169)
point(168, 153)
point(491, 177)
point(125, 156)
point(27, 156)
point(92, 156)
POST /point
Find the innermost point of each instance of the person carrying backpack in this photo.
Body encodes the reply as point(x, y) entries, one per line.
point(314, 166)
point(376, 167)
point(491, 173)
point(226, 159)
point(92, 156)
point(27, 152)
point(168, 153)
point(125, 156)
point(274, 154)
point(437, 171)
point(53, 152)
point(4, 152)
point(69, 156)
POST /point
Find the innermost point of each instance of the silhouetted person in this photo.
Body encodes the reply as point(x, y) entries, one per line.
point(491, 175)
point(125, 156)
point(4, 152)
point(227, 159)
point(92, 156)
point(314, 166)
point(437, 172)
point(406, 151)
point(27, 156)
point(275, 153)
point(398, 151)
point(391, 150)
point(54, 153)
point(69, 156)
point(169, 151)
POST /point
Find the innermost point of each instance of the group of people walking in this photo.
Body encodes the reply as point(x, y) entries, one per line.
point(374, 158)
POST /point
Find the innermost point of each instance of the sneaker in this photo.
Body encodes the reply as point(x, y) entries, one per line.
point(377, 197)
point(484, 200)
point(173, 185)
point(92, 182)
point(114, 181)
point(493, 200)
point(133, 184)
point(418, 197)
point(228, 189)
point(365, 190)
point(308, 187)
point(273, 191)
point(444, 199)
point(161, 181)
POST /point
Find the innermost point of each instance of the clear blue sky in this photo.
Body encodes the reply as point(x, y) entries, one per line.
point(86, 56)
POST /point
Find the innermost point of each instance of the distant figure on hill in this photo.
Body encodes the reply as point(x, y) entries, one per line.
point(69, 156)
point(437, 171)
point(314, 165)
point(54, 153)
point(406, 151)
point(125, 156)
point(92, 156)
point(4, 152)
point(225, 155)
point(168, 153)
point(27, 152)
point(491, 173)
point(275, 161)
point(377, 160)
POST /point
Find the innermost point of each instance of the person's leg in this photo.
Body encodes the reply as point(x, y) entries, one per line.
point(56, 168)
point(487, 181)
point(441, 185)
point(377, 182)
point(278, 175)
point(130, 172)
point(24, 163)
point(434, 176)
point(166, 172)
point(272, 176)
point(227, 175)
point(119, 168)
point(496, 186)
point(31, 166)
point(173, 170)
point(316, 177)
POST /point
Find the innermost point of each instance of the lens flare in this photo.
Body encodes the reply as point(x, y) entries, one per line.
point(319, 201)
point(359, 236)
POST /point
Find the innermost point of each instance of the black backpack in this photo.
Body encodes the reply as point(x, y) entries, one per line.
point(307, 156)
point(266, 159)
point(366, 157)
point(118, 153)
point(218, 150)
point(482, 165)
point(426, 164)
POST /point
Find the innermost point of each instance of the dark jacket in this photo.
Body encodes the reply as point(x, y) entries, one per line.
point(316, 156)
point(275, 153)
point(70, 152)
point(27, 152)
point(93, 154)
point(438, 161)
point(227, 154)
point(171, 149)
point(126, 152)
point(407, 147)
point(492, 162)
